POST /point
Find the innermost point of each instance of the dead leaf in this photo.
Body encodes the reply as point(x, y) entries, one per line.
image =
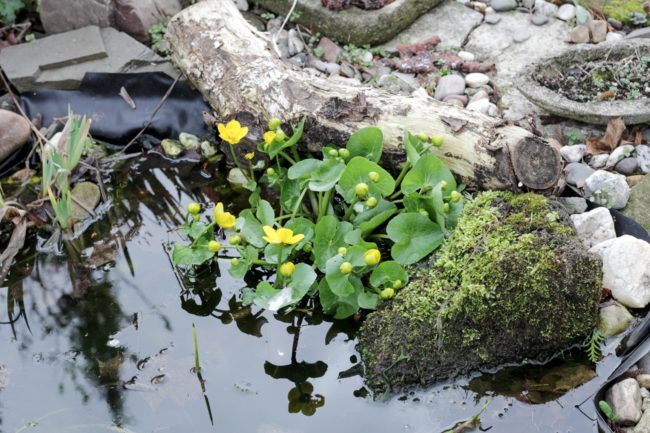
point(611, 140)
point(638, 137)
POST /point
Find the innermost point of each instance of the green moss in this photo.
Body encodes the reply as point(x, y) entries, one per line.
point(621, 10)
point(512, 282)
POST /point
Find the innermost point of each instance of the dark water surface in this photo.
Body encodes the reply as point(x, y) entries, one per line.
point(100, 340)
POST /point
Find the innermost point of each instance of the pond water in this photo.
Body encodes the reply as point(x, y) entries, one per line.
point(99, 338)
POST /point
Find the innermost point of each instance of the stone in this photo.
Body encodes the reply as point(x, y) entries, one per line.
point(481, 106)
point(598, 29)
point(436, 22)
point(503, 5)
point(328, 68)
point(574, 205)
point(88, 194)
point(539, 19)
point(117, 53)
point(614, 319)
point(594, 227)
point(613, 36)
point(135, 17)
point(399, 82)
point(466, 56)
point(14, 133)
point(644, 380)
point(607, 188)
point(634, 181)
point(599, 161)
point(546, 8)
point(566, 12)
point(330, 49)
point(59, 16)
point(492, 19)
point(295, 44)
point(627, 166)
point(460, 98)
point(643, 426)
point(521, 35)
point(481, 94)
point(615, 23)
point(576, 173)
point(579, 34)
point(620, 153)
point(242, 5)
point(638, 207)
point(554, 290)
point(643, 33)
point(625, 269)
point(643, 157)
point(528, 4)
point(493, 110)
point(449, 85)
point(573, 153)
point(354, 25)
point(476, 79)
point(624, 398)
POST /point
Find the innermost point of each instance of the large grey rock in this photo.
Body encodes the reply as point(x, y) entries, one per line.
point(503, 5)
point(135, 17)
point(60, 61)
point(643, 33)
point(574, 205)
point(624, 398)
point(437, 22)
point(618, 154)
point(613, 319)
point(354, 25)
point(599, 112)
point(638, 206)
point(594, 227)
point(449, 85)
point(566, 12)
point(14, 133)
point(576, 173)
point(625, 269)
point(643, 426)
point(607, 188)
point(573, 153)
point(643, 157)
point(64, 15)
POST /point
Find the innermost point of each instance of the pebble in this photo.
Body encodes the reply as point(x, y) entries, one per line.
point(625, 269)
point(545, 8)
point(594, 227)
point(624, 398)
point(493, 110)
point(481, 106)
point(613, 319)
point(643, 157)
point(420, 92)
point(476, 79)
point(621, 152)
point(449, 85)
point(634, 181)
point(539, 19)
point(14, 133)
point(348, 70)
point(577, 173)
point(579, 34)
point(331, 51)
point(461, 98)
point(573, 153)
point(299, 59)
point(566, 12)
point(612, 189)
point(613, 36)
point(627, 166)
point(295, 44)
point(466, 56)
point(481, 94)
point(521, 35)
point(492, 18)
point(503, 5)
point(574, 205)
point(615, 23)
point(528, 4)
point(599, 161)
point(644, 380)
point(598, 30)
point(328, 68)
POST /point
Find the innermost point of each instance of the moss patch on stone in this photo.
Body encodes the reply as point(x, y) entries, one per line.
point(620, 10)
point(512, 282)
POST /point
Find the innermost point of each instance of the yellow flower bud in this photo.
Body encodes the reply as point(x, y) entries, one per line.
point(274, 123)
point(342, 251)
point(437, 140)
point(270, 172)
point(345, 268)
point(194, 208)
point(344, 153)
point(249, 156)
point(455, 196)
point(372, 257)
point(361, 189)
point(422, 136)
point(374, 176)
point(333, 153)
point(424, 212)
point(445, 208)
point(214, 246)
point(371, 202)
point(287, 269)
point(280, 135)
point(387, 294)
point(235, 240)
point(444, 185)
point(397, 284)
point(235, 261)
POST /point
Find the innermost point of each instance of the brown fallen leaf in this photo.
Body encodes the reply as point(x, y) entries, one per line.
point(611, 140)
point(638, 137)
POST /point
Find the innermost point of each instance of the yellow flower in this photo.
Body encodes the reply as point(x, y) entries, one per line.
point(250, 156)
point(224, 219)
point(372, 257)
point(233, 132)
point(269, 136)
point(281, 236)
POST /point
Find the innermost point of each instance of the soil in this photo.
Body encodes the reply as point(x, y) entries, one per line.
point(625, 79)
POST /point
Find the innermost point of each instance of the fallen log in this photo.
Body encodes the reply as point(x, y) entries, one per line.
point(236, 69)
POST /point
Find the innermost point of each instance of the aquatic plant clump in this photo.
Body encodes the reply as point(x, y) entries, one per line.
point(511, 283)
point(624, 79)
point(339, 227)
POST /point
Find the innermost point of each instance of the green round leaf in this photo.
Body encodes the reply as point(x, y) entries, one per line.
point(188, 255)
point(338, 282)
point(427, 173)
point(414, 236)
point(329, 236)
point(265, 213)
point(367, 142)
point(357, 172)
point(387, 273)
point(272, 299)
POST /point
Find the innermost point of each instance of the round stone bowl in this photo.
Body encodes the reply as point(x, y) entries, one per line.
point(632, 111)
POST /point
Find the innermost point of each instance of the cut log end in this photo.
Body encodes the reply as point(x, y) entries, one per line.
point(537, 165)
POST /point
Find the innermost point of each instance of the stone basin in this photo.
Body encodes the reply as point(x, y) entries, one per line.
point(600, 112)
point(353, 25)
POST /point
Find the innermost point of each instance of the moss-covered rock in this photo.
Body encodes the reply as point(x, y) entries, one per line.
point(620, 10)
point(511, 283)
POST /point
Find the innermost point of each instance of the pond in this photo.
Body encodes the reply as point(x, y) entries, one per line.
point(100, 338)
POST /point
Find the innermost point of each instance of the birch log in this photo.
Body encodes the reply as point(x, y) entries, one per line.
point(237, 71)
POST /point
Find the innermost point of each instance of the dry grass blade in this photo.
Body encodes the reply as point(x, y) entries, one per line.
point(16, 242)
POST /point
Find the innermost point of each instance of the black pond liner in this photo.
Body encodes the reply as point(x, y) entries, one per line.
point(114, 121)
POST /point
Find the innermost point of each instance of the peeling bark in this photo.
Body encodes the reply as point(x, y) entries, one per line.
point(237, 71)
